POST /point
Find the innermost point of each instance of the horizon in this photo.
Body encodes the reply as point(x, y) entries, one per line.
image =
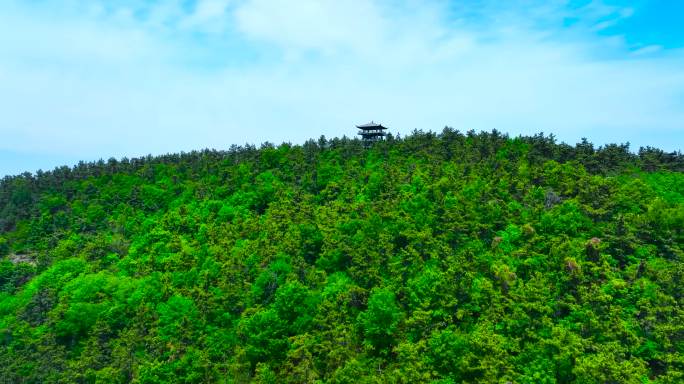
point(631, 149)
point(84, 81)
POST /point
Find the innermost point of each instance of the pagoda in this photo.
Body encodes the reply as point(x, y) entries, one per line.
point(370, 133)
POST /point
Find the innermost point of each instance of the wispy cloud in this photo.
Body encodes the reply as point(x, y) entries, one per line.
point(99, 79)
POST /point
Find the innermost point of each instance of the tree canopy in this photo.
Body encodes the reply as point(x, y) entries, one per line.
point(437, 258)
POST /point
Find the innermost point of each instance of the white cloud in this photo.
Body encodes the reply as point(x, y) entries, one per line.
point(326, 25)
point(111, 80)
point(55, 39)
point(647, 50)
point(208, 15)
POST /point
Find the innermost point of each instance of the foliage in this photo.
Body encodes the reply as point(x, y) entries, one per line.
point(437, 258)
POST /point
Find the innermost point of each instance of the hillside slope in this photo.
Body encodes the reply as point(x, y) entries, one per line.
point(431, 258)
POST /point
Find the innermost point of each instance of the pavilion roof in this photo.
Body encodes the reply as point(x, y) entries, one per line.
point(371, 125)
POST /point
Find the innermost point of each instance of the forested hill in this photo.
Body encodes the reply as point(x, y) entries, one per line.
point(440, 258)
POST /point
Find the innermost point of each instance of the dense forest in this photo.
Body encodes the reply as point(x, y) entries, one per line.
point(430, 258)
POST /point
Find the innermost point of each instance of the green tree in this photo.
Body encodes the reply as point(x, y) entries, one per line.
point(380, 322)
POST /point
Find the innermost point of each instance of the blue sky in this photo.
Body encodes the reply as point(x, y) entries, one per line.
point(83, 80)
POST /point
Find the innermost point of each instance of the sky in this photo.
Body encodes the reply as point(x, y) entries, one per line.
point(91, 79)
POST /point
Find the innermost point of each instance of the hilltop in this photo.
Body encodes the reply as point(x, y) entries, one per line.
point(444, 258)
